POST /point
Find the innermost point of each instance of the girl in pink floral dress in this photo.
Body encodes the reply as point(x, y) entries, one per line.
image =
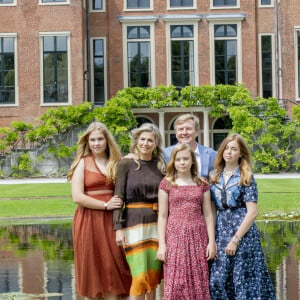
point(185, 228)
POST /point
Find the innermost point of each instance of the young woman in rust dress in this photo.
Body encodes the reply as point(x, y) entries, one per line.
point(101, 269)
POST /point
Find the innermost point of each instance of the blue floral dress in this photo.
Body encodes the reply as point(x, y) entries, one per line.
point(243, 276)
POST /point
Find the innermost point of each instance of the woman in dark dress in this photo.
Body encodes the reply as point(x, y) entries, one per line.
point(239, 272)
point(101, 270)
point(137, 184)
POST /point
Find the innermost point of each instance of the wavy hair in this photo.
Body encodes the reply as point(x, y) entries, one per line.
point(157, 152)
point(172, 172)
point(244, 161)
point(112, 151)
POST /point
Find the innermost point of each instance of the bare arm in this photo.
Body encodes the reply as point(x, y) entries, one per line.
point(80, 198)
point(209, 215)
point(243, 229)
point(163, 207)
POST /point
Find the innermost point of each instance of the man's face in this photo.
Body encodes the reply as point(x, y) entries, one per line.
point(186, 132)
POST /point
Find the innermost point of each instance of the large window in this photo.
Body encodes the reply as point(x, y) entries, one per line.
point(225, 38)
point(55, 69)
point(99, 77)
point(222, 3)
point(266, 2)
point(138, 4)
point(266, 66)
point(7, 70)
point(182, 55)
point(181, 3)
point(138, 56)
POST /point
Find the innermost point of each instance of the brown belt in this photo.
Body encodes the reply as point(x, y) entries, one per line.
point(154, 206)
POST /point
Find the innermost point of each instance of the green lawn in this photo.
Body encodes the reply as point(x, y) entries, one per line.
point(278, 199)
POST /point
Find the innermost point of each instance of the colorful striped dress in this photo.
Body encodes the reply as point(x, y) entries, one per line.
point(139, 189)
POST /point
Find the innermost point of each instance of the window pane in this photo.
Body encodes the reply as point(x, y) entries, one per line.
point(7, 71)
point(265, 2)
point(138, 3)
point(99, 81)
point(182, 60)
point(49, 1)
point(55, 67)
point(140, 32)
point(224, 3)
point(97, 5)
point(6, 1)
point(181, 31)
point(266, 53)
point(181, 3)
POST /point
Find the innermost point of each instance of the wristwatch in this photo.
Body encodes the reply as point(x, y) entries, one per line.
point(105, 205)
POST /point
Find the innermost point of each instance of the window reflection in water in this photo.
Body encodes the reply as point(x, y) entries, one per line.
point(38, 259)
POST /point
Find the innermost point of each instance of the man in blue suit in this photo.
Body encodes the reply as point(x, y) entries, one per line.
point(187, 128)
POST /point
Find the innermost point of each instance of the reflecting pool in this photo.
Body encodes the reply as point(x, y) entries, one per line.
point(36, 260)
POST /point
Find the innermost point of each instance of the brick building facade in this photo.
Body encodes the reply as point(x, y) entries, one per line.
point(64, 52)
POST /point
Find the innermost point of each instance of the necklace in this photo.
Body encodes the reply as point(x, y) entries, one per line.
point(228, 173)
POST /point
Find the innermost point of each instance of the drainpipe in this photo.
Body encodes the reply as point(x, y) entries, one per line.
point(87, 72)
point(277, 68)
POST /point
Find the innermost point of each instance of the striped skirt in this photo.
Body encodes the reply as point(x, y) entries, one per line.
point(141, 248)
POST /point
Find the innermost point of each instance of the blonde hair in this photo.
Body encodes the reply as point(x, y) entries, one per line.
point(157, 152)
point(112, 151)
point(244, 161)
point(183, 118)
point(172, 172)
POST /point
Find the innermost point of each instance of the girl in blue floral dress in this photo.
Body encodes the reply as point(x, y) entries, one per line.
point(239, 271)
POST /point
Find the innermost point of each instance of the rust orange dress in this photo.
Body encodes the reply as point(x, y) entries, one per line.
point(100, 265)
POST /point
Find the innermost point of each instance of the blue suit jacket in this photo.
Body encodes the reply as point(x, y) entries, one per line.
point(207, 157)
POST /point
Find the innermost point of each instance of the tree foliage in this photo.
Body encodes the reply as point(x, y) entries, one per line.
point(272, 136)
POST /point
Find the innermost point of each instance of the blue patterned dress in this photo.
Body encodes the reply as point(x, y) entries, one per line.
point(243, 276)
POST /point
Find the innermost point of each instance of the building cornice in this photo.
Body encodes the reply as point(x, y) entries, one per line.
point(225, 17)
point(181, 17)
point(139, 19)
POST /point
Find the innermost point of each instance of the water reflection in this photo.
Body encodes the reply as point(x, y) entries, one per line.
point(37, 260)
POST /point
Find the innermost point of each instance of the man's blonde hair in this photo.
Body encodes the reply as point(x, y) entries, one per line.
point(182, 118)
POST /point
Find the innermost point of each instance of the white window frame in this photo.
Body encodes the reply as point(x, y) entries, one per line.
point(297, 79)
point(13, 3)
point(224, 7)
point(226, 21)
point(273, 63)
point(192, 20)
point(97, 10)
point(142, 21)
point(67, 2)
point(67, 34)
point(265, 6)
point(92, 66)
point(13, 35)
point(138, 9)
point(194, 6)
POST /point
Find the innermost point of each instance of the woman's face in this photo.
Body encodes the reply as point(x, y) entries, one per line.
point(232, 153)
point(97, 143)
point(183, 161)
point(146, 143)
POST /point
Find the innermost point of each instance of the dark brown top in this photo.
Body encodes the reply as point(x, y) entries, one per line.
point(136, 185)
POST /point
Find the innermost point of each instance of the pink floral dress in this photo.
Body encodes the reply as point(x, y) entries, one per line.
point(186, 268)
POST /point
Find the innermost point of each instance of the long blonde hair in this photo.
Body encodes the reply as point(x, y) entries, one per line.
point(112, 151)
point(244, 161)
point(157, 152)
point(172, 172)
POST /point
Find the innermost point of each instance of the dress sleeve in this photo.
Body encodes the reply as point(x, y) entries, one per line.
point(164, 185)
point(120, 190)
point(206, 187)
point(251, 192)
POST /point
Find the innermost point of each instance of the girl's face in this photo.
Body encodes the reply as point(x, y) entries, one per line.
point(183, 161)
point(232, 153)
point(146, 143)
point(97, 143)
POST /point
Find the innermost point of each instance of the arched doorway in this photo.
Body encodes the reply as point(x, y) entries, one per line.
point(221, 128)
